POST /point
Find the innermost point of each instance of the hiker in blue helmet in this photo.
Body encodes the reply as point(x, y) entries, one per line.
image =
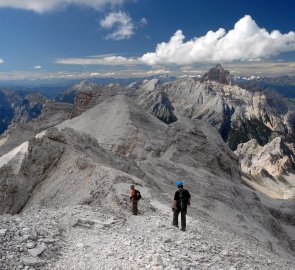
point(181, 201)
point(179, 183)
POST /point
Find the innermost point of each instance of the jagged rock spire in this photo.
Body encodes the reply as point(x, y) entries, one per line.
point(217, 74)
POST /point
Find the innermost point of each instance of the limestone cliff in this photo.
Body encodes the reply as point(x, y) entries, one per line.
point(239, 114)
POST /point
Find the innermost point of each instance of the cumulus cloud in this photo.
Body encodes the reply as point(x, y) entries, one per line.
point(37, 67)
point(1, 61)
point(41, 6)
point(107, 61)
point(120, 23)
point(246, 42)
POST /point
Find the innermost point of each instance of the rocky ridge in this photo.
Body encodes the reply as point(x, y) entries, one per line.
point(97, 155)
point(85, 157)
point(238, 114)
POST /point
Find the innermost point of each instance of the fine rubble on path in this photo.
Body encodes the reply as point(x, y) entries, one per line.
point(90, 238)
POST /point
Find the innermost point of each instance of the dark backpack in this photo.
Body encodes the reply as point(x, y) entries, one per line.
point(183, 199)
point(138, 195)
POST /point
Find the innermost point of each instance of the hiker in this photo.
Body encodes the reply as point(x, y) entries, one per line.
point(180, 203)
point(135, 196)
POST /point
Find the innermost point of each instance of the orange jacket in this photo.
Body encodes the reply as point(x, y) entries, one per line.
point(133, 193)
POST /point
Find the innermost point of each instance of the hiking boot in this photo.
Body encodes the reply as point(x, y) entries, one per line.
point(182, 229)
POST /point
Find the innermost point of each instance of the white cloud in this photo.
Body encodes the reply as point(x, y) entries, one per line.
point(98, 74)
point(143, 22)
point(246, 42)
point(120, 23)
point(158, 71)
point(107, 61)
point(1, 61)
point(37, 67)
point(41, 6)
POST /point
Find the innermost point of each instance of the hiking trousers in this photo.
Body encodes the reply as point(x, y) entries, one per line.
point(183, 217)
point(134, 208)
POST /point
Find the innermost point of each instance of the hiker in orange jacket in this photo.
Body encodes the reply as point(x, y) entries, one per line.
point(135, 196)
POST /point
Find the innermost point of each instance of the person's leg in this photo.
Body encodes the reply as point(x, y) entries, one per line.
point(183, 219)
point(175, 217)
point(134, 208)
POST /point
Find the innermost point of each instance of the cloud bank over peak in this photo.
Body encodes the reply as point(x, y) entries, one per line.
point(41, 6)
point(246, 42)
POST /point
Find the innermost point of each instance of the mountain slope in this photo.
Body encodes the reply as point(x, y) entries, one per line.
point(238, 114)
point(92, 159)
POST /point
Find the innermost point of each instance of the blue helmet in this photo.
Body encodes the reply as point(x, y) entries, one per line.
point(179, 183)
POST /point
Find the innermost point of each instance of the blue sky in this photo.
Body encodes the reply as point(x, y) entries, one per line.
point(103, 38)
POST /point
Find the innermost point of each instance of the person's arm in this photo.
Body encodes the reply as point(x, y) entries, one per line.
point(176, 195)
point(188, 195)
point(174, 204)
point(189, 198)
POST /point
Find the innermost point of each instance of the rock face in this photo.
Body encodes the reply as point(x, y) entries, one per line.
point(69, 95)
point(17, 185)
point(238, 114)
point(86, 94)
point(217, 74)
point(275, 157)
point(18, 109)
point(160, 106)
point(82, 102)
point(52, 114)
point(270, 168)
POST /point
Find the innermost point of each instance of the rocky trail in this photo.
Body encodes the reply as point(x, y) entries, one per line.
point(86, 237)
point(148, 241)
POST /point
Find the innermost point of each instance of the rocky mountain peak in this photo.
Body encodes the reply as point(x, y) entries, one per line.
point(84, 86)
point(217, 74)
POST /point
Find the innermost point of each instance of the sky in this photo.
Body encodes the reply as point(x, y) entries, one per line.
point(56, 39)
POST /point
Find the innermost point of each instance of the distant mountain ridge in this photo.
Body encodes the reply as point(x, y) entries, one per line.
point(16, 108)
point(285, 85)
point(239, 114)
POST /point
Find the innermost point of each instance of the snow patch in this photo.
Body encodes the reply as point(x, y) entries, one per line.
point(15, 156)
point(3, 141)
point(40, 135)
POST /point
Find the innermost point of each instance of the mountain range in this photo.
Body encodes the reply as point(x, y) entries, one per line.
point(75, 163)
